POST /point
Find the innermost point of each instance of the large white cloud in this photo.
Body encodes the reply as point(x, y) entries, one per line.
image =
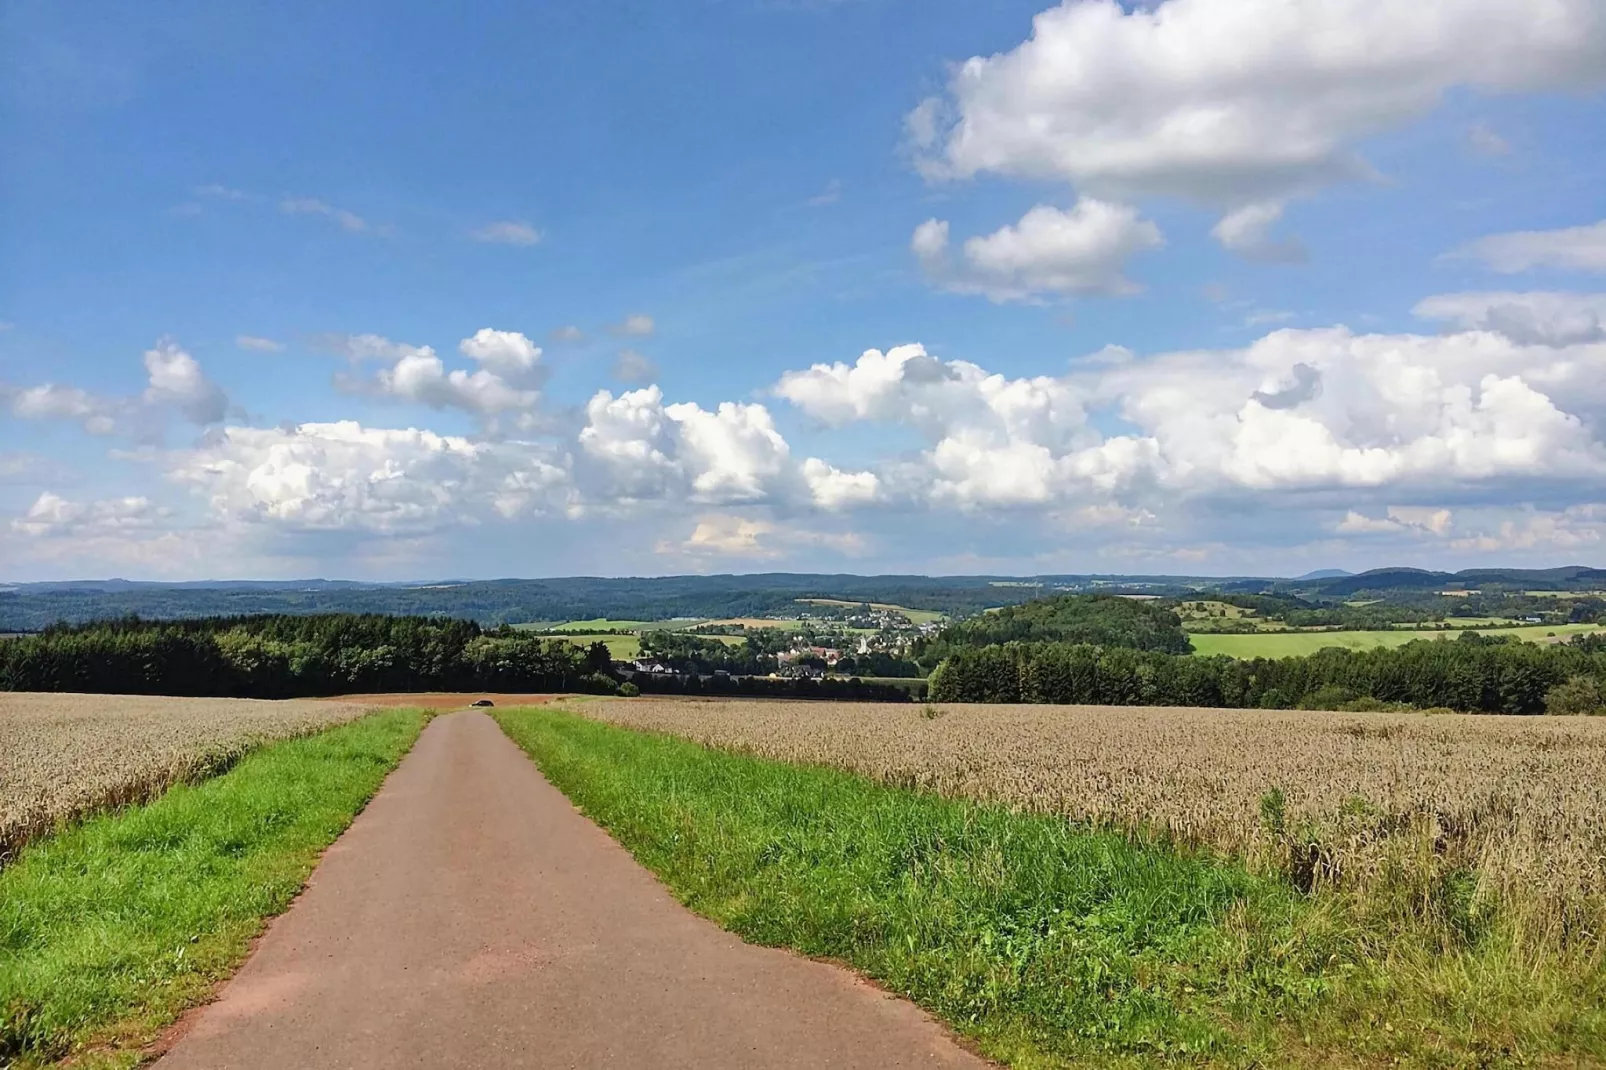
point(1332, 409)
point(1300, 410)
point(832, 488)
point(346, 477)
point(423, 378)
point(508, 354)
point(1479, 438)
point(1080, 251)
point(1237, 103)
point(175, 381)
point(507, 379)
point(643, 448)
point(637, 448)
point(907, 385)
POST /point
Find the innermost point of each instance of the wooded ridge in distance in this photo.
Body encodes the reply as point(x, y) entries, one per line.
point(32, 606)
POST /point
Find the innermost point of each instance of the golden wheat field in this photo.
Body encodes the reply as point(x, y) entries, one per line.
point(1367, 798)
point(65, 755)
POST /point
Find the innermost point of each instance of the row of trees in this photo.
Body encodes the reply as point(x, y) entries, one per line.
point(1473, 673)
point(292, 656)
point(686, 653)
point(1098, 620)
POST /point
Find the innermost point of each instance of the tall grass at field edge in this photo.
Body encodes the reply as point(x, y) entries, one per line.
point(109, 929)
point(1050, 943)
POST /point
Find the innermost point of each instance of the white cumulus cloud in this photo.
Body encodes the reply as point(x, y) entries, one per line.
point(831, 488)
point(1235, 103)
point(345, 477)
point(423, 378)
point(52, 516)
point(507, 378)
point(643, 449)
point(1049, 251)
point(1299, 410)
point(176, 379)
point(506, 353)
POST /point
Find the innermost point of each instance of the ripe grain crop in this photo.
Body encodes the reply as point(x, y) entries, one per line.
point(1439, 815)
point(63, 756)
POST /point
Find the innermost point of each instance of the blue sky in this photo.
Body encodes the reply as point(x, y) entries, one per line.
point(1214, 286)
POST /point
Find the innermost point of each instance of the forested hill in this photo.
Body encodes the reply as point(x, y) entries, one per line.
point(30, 607)
point(1385, 580)
point(1097, 620)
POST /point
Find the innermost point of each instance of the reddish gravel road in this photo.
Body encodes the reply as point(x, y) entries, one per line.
point(471, 918)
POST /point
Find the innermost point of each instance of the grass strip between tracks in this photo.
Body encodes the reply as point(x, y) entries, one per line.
point(112, 927)
point(1050, 944)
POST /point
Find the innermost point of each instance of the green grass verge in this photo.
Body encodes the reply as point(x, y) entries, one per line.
point(109, 929)
point(1286, 644)
point(1046, 942)
point(1052, 944)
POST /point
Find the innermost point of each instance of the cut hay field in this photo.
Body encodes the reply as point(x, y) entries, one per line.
point(1370, 803)
point(64, 755)
point(1290, 644)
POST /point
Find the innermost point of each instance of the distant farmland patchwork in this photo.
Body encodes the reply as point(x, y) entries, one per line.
point(1282, 644)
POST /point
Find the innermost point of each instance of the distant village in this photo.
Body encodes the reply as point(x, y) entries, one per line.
point(813, 643)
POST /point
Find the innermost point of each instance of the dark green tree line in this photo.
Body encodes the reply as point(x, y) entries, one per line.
point(1098, 620)
point(294, 656)
point(1472, 674)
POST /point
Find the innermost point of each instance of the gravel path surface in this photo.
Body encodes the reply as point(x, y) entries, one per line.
point(470, 917)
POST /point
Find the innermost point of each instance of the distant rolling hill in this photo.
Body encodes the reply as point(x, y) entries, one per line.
point(1377, 580)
